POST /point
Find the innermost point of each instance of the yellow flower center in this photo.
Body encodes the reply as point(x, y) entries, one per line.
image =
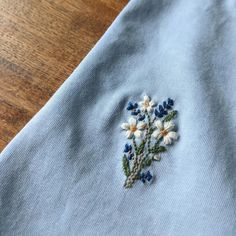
point(164, 132)
point(133, 128)
point(146, 103)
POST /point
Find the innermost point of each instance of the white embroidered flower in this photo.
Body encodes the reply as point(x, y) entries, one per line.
point(133, 128)
point(147, 104)
point(165, 131)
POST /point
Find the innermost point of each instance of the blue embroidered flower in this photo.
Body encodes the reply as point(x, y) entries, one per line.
point(158, 114)
point(135, 112)
point(130, 156)
point(162, 110)
point(166, 106)
point(170, 102)
point(131, 106)
point(128, 148)
point(146, 177)
point(142, 177)
point(141, 117)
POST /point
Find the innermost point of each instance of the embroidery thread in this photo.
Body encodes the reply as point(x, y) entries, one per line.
point(150, 129)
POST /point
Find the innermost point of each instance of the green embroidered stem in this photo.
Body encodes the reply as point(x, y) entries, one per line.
point(140, 160)
point(149, 132)
point(137, 166)
point(135, 145)
point(141, 148)
point(153, 120)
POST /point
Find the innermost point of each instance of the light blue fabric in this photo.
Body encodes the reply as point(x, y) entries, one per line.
point(62, 175)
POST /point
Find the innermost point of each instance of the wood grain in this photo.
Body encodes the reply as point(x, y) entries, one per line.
point(41, 43)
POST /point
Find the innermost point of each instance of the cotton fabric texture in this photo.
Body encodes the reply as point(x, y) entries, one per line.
point(62, 174)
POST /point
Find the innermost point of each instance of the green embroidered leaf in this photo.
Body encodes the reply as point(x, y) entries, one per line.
point(140, 149)
point(126, 167)
point(148, 162)
point(171, 116)
point(157, 149)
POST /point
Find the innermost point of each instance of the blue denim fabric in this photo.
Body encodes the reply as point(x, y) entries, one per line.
point(62, 175)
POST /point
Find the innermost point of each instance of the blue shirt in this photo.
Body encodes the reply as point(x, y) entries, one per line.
point(62, 174)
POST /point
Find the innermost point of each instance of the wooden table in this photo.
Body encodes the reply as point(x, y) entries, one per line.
point(42, 41)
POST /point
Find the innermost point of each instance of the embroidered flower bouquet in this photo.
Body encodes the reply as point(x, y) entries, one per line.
point(150, 129)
